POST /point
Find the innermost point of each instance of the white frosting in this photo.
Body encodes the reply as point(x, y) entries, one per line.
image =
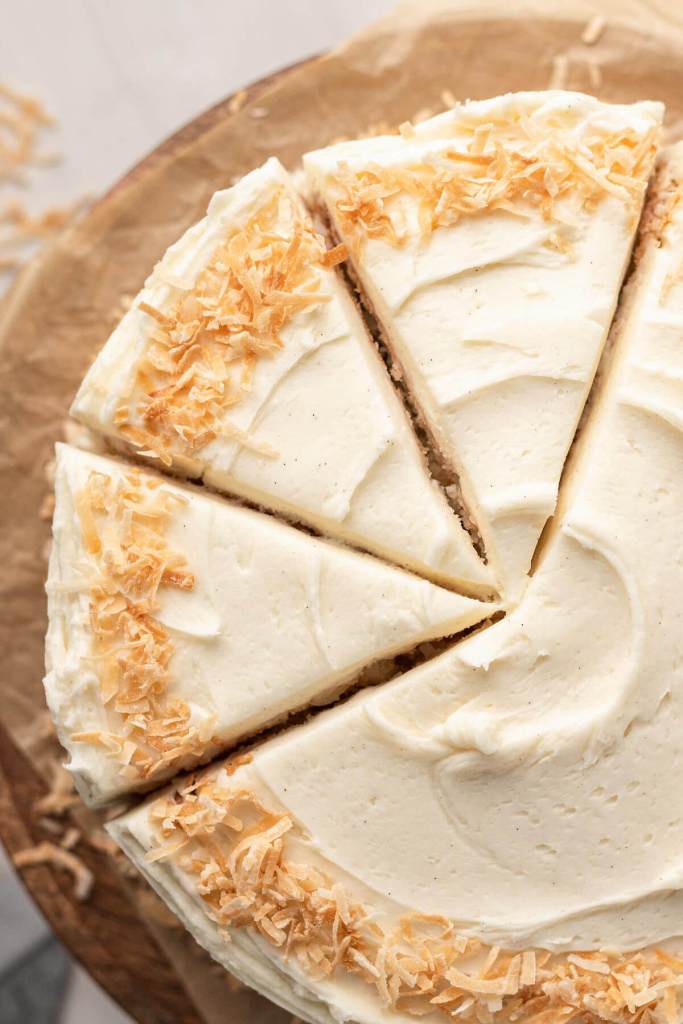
point(498, 334)
point(277, 619)
point(347, 461)
point(526, 784)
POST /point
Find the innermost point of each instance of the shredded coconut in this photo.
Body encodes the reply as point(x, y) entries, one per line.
point(71, 838)
point(559, 73)
point(235, 850)
point(237, 101)
point(593, 30)
point(202, 352)
point(21, 231)
point(50, 853)
point(61, 796)
point(22, 120)
point(519, 165)
point(123, 526)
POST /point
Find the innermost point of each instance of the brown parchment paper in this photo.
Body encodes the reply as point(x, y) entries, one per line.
point(64, 305)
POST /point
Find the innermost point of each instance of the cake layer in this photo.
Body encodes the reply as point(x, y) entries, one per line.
point(179, 622)
point(244, 361)
point(491, 242)
point(498, 833)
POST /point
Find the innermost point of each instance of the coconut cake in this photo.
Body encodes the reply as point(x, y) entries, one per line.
point(497, 835)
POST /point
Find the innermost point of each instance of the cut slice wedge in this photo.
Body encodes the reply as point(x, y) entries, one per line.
point(244, 361)
point(490, 243)
point(179, 622)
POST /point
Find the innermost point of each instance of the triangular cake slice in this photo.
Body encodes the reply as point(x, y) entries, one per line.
point(179, 622)
point(497, 834)
point(244, 361)
point(490, 244)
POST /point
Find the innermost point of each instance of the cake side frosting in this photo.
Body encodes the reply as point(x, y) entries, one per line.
point(491, 243)
point(517, 797)
point(179, 623)
point(245, 362)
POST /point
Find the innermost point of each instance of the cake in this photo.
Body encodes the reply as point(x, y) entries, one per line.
point(243, 362)
point(497, 834)
point(493, 831)
point(490, 243)
point(180, 622)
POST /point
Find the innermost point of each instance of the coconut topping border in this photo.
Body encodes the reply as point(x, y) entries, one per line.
point(234, 850)
point(515, 163)
point(123, 524)
point(202, 352)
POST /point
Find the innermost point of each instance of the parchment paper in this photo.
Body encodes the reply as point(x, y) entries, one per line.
point(64, 305)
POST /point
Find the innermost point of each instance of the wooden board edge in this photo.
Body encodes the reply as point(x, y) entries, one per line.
point(97, 931)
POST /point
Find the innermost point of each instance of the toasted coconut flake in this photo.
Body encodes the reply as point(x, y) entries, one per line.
point(21, 232)
point(559, 74)
point(589, 964)
point(103, 843)
point(528, 972)
point(333, 257)
point(237, 101)
point(236, 762)
point(61, 796)
point(49, 853)
point(245, 879)
point(203, 349)
point(517, 165)
point(593, 30)
point(480, 986)
point(47, 506)
point(22, 119)
point(71, 838)
point(123, 527)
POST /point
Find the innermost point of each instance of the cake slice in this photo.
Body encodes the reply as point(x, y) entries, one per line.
point(490, 244)
point(245, 362)
point(179, 622)
point(497, 835)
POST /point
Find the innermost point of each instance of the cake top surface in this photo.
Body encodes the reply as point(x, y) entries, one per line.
point(490, 243)
point(244, 362)
point(483, 766)
point(411, 851)
point(517, 153)
point(180, 622)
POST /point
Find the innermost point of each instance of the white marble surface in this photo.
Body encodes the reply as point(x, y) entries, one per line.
point(119, 77)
